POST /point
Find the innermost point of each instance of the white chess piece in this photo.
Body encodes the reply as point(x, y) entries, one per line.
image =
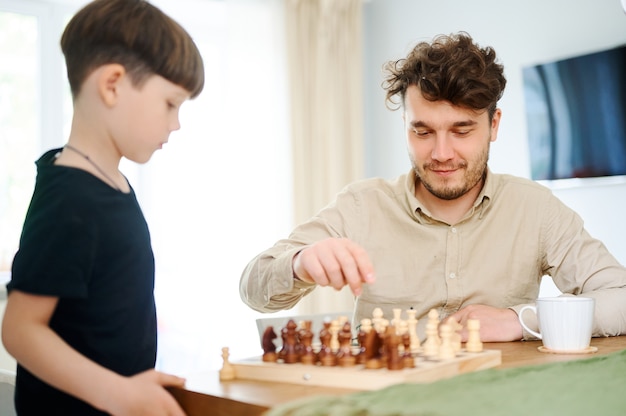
point(412, 323)
point(227, 372)
point(446, 350)
point(473, 344)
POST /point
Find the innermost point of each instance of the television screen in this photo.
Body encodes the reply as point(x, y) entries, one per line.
point(576, 115)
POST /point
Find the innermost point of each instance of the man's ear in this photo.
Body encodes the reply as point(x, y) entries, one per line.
point(495, 124)
point(109, 82)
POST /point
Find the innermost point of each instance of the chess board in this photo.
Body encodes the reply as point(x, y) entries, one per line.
point(360, 378)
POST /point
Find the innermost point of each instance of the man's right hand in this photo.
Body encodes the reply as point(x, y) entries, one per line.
point(334, 262)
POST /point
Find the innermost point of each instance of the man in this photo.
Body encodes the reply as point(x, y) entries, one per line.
point(450, 234)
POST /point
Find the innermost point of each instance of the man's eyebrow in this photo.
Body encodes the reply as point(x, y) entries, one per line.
point(418, 123)
point(465, 123)
point(462, 123)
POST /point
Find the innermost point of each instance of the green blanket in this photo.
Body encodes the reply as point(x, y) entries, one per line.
point(588, 387)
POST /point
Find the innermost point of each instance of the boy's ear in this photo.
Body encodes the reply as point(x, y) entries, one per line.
point(109, 80)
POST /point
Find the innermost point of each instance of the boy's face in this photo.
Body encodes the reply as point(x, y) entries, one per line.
point(448, 145)
point(146, 115)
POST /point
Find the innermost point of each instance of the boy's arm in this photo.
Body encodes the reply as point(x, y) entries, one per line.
point(28, 338)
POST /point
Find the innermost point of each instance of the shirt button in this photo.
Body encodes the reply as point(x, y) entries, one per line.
point(453, 229)
point(452, 275)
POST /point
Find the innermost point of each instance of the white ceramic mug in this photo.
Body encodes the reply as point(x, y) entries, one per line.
point(565, 323)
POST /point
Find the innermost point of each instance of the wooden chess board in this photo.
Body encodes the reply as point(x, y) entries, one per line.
point(360, 378)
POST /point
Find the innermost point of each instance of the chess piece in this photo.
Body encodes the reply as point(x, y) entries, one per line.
point(377, 318)
point(456, 334)
point(473, 343)
point(269, 348)
point(392, 353)
point(412, 324)
point(335, 326)
point(402, 329)
point(446, 350)
point(344, 355)
point(289, 351)
point(325, 356)
point(307, 356)
point(431, 345)
point(433, 318)
point(364, 328)
point(397, 317)
point(373, 344)
point(407, 356)
point(227, 372)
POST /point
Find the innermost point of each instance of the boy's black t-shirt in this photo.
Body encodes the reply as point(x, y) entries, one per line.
point(89, 245)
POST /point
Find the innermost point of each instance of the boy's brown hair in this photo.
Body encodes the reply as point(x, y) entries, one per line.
point(135, 34)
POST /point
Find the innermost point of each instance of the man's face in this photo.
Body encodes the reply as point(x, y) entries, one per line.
point(448, 146)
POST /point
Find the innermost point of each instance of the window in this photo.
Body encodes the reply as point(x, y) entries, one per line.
point(18, 125)
point(24, 51)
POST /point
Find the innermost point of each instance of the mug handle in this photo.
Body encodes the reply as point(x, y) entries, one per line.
point(521, 320)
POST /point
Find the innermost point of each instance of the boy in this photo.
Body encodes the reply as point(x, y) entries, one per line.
point(80, 318)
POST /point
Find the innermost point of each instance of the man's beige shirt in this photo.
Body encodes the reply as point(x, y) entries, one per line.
point(516, 232)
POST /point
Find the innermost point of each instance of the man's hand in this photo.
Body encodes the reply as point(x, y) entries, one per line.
point(334, 262)
point(496, 325)
point(144, 394)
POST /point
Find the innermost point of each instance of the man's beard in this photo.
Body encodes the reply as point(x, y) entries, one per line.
point(470, 179)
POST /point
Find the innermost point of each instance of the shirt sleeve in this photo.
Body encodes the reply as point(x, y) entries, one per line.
point(581, 265)
point(56, 251)
point(267, 284)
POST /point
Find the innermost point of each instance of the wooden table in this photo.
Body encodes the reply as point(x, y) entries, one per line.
point(206, 395)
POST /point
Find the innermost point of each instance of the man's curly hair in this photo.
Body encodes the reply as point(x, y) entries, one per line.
point(451, 68)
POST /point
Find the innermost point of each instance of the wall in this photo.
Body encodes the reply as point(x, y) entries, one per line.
point(523, 33)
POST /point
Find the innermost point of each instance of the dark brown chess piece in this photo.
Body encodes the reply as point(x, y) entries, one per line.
point(307, 355)
point(373, 344)
point(325, 356)
point(407, 357)
point(361, 354)
point(392, 342)
point(290, 338)
point(345, 358)
point(269, 348)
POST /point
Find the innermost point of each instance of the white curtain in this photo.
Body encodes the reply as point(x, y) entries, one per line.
point(324, 50)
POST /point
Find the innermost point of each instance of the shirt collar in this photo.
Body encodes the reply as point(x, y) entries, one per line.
point(481, 204)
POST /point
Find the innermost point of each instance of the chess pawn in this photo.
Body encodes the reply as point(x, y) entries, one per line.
point(412, 324)
point(344, 355)
point(227, 372)
point(431, 345)
point(325, 355)
point(446, 350)
point(433, 317)
point(473, 343)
